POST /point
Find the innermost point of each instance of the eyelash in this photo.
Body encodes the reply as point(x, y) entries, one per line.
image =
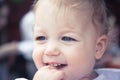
point(41, 38)
point(64, 38)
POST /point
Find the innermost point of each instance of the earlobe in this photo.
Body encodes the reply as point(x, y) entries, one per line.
point(101, 46)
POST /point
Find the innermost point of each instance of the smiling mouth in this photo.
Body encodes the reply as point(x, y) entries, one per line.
point(56, 65)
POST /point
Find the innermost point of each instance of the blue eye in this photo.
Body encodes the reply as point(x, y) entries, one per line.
point(66, 38)
point(41, 38)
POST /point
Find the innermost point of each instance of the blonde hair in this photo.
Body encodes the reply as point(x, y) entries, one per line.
point(97, 9)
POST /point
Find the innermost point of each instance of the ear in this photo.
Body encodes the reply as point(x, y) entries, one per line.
point(101, 46)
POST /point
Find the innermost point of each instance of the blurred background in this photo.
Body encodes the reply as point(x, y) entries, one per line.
point(16, 22)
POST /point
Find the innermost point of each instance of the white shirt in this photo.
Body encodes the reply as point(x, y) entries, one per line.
point(108, 74)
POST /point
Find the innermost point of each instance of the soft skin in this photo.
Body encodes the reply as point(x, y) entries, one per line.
point(68, 40)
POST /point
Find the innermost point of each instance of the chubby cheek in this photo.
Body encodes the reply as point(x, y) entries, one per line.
point(80, 62)
point(83, 64)
point(37, 56)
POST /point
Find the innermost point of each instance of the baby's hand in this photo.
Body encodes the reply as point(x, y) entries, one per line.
point(48, 73)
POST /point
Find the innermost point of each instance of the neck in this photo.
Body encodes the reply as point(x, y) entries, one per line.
point(92, 76)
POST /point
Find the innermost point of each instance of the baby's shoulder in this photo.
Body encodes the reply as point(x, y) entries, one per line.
point(108, 74)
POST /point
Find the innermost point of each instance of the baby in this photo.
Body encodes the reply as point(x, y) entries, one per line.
point(69, 37)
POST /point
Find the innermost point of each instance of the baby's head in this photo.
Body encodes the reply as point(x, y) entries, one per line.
point(70, 35)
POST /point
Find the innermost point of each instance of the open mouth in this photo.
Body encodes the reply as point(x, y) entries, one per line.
point(56, 65)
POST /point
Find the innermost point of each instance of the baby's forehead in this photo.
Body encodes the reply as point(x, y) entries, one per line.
point(50, 10)
point(64, 13)
point(63, 18)
point(64, 6)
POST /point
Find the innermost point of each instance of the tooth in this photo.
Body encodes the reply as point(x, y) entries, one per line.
point(55, 65)
point(51, 65)
point(59, 64)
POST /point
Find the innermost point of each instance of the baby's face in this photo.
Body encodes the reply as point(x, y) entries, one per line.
point(65, 42)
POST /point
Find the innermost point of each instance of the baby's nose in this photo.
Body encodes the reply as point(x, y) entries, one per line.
point(52, 50)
